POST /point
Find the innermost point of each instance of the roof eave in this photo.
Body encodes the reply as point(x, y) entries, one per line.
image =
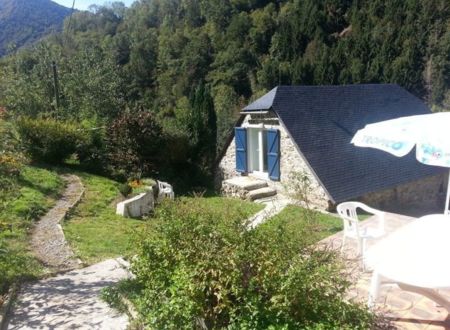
point(257, 112)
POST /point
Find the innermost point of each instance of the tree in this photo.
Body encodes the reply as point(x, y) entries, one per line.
point(157, 54)
point(135, 145)
point(203, 127)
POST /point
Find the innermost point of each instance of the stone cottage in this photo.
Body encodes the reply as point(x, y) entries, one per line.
point(306, 131)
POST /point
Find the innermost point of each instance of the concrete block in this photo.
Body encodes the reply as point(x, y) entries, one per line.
point(137, 206)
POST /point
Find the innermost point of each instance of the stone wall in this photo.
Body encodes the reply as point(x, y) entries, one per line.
point(416, 198)
point(227, 166)
point(291, 162)
point(293, 165)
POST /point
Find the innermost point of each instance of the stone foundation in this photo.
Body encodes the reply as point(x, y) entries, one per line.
point(416, 198)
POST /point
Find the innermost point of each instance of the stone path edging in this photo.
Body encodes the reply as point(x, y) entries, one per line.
point(4, 309)
point(48, 241)
point(273, 207)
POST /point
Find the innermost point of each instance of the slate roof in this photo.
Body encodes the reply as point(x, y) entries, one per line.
point(323, 119)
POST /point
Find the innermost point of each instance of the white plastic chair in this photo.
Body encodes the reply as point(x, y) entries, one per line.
point(347, 212)
point(165, 190)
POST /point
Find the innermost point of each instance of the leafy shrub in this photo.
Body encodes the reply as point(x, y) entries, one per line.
point(125, 189)
point(49, 140)
point(205, 269)
point(112, 297)
point(91, 150)
point(11, 159)
point(134, 144)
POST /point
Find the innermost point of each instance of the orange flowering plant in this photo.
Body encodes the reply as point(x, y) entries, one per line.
point(136, 183)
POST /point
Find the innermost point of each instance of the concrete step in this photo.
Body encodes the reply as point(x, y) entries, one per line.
point(246, 183)
point(261, 193)
point(266, 200)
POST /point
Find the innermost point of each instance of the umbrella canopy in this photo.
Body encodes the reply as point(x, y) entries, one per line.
point(429, 133)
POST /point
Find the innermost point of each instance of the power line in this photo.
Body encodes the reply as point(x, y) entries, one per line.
point(54, 67)
point(70, 17)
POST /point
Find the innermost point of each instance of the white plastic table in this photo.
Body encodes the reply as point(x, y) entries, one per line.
point(415, 258)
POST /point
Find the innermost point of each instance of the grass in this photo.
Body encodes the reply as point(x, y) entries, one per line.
point(93, 229)
point(220, 205)
point(34, 193)
point(297, 218)
point(95, 232)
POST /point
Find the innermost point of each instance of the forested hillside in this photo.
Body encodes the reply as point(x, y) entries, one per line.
point(190, 65)
point(26, 21)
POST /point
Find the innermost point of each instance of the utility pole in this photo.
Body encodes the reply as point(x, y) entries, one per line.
point(56, 85)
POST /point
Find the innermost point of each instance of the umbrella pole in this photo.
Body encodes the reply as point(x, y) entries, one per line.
point(447, 211)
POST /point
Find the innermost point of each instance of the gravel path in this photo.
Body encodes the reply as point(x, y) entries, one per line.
point(71, 300)
point(48, 241)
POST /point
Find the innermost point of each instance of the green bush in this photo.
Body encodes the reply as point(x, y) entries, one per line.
point(125, 189)
point(135, 145)
point(205, 269)
point(49, 140)
point(91, 150)
point(11, 160)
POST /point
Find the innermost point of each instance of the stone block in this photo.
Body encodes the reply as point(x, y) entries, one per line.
point(137, 206)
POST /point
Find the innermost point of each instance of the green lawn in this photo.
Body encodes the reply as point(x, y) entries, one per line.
point(35, 192)
point(221, 205)
point(316, 224)
point(95, 232)
point(93, 229)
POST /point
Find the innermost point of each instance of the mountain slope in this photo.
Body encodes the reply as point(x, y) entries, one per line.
point(25, 21)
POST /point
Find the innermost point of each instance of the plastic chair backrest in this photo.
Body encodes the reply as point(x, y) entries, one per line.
point(165, 190)
point(347, 212)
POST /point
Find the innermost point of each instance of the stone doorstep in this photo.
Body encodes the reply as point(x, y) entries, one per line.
point(246, 183)
point(261, 193)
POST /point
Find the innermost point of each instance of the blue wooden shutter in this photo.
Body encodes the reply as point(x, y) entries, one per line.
point(240, 135)
point(273, 154)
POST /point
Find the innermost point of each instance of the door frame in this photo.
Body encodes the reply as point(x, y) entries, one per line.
point(261, 174)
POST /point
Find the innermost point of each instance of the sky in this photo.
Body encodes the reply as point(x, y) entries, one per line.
point(84, 4)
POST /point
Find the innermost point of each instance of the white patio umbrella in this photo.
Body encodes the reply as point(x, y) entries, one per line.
point(429, 133)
